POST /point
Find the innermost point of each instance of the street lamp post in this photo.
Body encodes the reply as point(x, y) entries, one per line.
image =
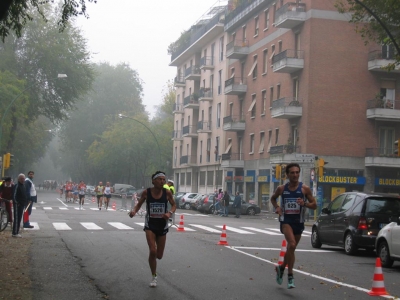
point(121, 116)
point(12, 102)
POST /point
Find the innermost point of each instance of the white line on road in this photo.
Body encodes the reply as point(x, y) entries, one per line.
point(262, 231)
point(308, 274)
point(91, 226)
point(62, 202)
point(64, 208)
point(119, 225)
point(278, 249)
point(235, 229)
point(47, 208)
point(276, 229)
point(61, 226)
point(206, 228)
point(35, 226)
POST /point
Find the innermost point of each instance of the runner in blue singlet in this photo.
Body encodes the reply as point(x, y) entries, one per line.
point(295, 198)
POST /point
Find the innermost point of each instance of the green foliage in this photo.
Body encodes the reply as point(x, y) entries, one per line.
point(374, 19)
point(20, 12)
point(180, 43)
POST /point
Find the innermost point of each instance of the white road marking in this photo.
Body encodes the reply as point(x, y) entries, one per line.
point(206, 228)
point(91, 226)
point(235, 229)
point(140, 224)
point(47, 208)
point(277, 229)
point(262, 231)
point(119, 225)
point(35, 226)
point(309, 274)
point(61, 226)
point(279, 249)
point(63, 208)
point(62, 202)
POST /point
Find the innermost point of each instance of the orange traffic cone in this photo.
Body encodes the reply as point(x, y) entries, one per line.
point(378, 286)
point(181, 227)
point(114, 205)
point(282, 253)
point(222, 240)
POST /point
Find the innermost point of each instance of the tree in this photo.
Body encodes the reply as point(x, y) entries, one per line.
point(14, 14)
point(377, 21)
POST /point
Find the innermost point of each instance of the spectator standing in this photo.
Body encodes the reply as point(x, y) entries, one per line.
point(225, 203)
point(31, 196)
point(20, 200)
point(237, 204)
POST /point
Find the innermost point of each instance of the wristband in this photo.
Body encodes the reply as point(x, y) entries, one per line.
point(171, 213)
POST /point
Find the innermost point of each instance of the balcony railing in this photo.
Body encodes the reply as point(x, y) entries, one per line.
point(192, 73)
point(233, 119)
point(288, 61)
point(284, 149)
point(179, 81)
point(205, 94)
point(242, 10)
point(207, 63)
point(177, 108)
point(191, 100)
point(381, 152)
point(204, 126)
point(237, 49)
point(383, 110)
point(290, 15)
point(189, 131)
point(187, 160)
point(286, 108)
point(383, 103)
point(235, 86)
point(234, 123)
point(379, 59)
point(177, 135)
point(232, 156)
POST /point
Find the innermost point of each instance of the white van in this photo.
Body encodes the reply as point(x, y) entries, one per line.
point(119, 186)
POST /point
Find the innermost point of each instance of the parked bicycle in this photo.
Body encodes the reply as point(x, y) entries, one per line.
point(4, 217)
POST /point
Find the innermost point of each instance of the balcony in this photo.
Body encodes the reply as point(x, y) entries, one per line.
point(379, 59)
point(177, 135)
point(232, 160)
point(235, 86)
point(191, 101)
point(383, 110)
point(192, 73)
point(237, 49)
point(286, 108)
point(207, 63)
point(204, 127)
point(189, 160)
point(179, 81)
point(382, 157)
point(177, 108)
point(234, 123)
point(242, 12)
point(189, 131)
point(206, 94)
point(284, 154)
point(290, 15)
point(288, 61)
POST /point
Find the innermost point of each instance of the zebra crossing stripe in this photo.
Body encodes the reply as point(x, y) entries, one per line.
point(91, 226)
point(120, 225)
point(262, 231)
point(63, 208)
point(235, 229)
point(35, 226)
point(276, 229)
point(61, 226)
point(206, 228)
point(47, 208)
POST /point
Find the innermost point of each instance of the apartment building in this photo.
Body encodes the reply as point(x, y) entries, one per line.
point(299, 83)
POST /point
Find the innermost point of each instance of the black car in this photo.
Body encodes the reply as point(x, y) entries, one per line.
point(352, 220)
point(246, 207)
point(205, 204)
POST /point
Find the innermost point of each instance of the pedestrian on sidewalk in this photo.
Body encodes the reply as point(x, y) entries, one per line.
point(20, 200)
point(31, 196)
point(237, 204)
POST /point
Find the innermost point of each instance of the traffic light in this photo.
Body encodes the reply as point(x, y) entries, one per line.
point(397, 148)
point(6, 160)
point(321, 164)
point(273, 171)
point(10, 160)
point(278, 172)
point(283, 171)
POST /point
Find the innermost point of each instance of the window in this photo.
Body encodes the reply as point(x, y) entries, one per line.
point(221, 48)
point(188, 178)
point(219, 82)
point(279, 46)
point(251, 143)
point(210, 178)
point(272, 53)
point(386, 141)
point(264, 102)
point(256, 21)
point(266, 18)
point(208, 156)
point(269, 139)
point(218, 115)
point(202, 178)
point(253, 70)
point(296, 89)
point(175, 156)
point(244, 37)
point(265, 61)
point(201, 152)
point(232, 72)
point(271, 95)
point(252, 108)
point(216, 150)
point(278, 91)
point(336, 204)
point(276, 136)
point(262, 137)
point(228, 149)
point(212, 53)
point(348, 202)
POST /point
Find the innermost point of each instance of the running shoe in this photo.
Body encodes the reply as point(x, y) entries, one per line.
point(279, 275)
point(290, 284)
point(17, 235)
point(153, 283)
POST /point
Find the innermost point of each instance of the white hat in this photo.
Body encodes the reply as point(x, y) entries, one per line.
point(171, 181)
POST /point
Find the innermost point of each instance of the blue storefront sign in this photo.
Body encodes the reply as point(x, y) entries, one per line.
point(341, 180)
point(387, 182)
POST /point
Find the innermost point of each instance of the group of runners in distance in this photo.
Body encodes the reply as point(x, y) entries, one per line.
point(73, 191)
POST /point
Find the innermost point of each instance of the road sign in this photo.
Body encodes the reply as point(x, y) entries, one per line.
point(300, 155)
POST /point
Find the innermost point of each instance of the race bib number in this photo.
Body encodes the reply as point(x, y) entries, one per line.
point(157, 210)
point(291, 206)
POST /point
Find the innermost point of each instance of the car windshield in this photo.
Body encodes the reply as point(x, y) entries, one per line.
point(383, 205)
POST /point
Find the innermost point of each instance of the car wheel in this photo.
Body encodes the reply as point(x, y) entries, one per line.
point(251, 211)
point(212, 209)
point(384, 254)
point(349, 246)
point(187, 205)
point(315, 242)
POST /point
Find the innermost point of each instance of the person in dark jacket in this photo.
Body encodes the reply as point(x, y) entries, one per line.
point(237, 204)
point(6, 191)
point(225, 203)
point(31, 196)
point(20, 200)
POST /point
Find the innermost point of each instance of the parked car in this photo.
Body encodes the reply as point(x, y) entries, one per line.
point(246, 208)
point(205, 203)
point(90, 190)
point(352, 220)
point(127, 193)
point(387, 244)
point(188, 200)
point(178, 197)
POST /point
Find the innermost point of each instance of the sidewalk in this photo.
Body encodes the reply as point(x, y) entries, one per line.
point(270, 215)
